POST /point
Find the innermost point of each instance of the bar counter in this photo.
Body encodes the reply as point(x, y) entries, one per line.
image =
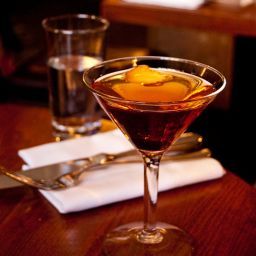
point(209, 17)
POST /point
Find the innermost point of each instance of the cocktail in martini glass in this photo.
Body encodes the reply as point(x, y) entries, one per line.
point(152, 100)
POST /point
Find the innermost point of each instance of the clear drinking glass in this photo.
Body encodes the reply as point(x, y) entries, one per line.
point(75, 42)
point(151, 121)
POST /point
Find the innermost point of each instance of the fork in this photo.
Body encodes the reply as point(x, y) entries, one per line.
point(70, 179)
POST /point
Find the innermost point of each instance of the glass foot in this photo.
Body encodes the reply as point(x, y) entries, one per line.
point(129, 240)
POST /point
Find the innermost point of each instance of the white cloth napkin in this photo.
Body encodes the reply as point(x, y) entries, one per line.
point(115, 182)
point(183, 4)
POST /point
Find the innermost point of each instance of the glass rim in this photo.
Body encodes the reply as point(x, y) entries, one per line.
point(103, 24)
point(116, 99)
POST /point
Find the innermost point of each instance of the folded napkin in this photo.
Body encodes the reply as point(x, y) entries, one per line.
point(184, 4)
point(115, 182)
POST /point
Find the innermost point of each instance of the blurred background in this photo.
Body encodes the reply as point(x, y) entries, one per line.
point(227, 125)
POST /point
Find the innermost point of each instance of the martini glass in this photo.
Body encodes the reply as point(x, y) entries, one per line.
point(152, 121)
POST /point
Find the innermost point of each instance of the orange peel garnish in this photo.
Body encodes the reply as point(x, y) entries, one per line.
point(144, 74)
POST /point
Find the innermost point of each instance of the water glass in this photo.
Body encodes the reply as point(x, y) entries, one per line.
point(75, 43)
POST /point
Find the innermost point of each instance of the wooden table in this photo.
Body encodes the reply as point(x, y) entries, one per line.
point(220, 214)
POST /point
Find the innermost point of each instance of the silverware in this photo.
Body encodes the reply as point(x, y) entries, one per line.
point(72, 178)
point(66, 174)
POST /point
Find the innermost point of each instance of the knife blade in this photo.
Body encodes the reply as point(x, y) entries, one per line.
point(45, 172)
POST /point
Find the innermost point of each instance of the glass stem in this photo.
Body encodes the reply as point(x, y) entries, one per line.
point(150, 234)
